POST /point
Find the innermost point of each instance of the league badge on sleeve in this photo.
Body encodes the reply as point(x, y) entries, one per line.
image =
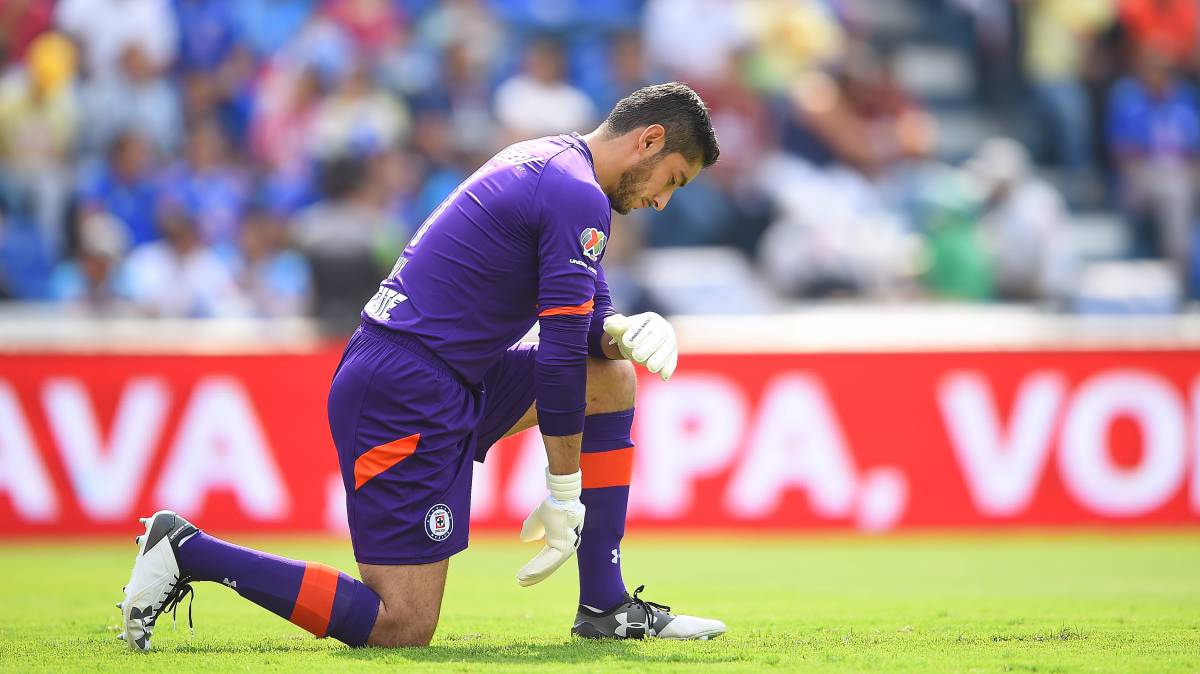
point(593, 241)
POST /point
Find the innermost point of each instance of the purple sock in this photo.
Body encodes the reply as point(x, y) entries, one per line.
point(314, 596)
point(607, 464)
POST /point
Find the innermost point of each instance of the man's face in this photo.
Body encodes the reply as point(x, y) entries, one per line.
point(651, 182)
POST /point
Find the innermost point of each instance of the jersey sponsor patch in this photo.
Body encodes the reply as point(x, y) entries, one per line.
point(593, 241)
point(439, 522)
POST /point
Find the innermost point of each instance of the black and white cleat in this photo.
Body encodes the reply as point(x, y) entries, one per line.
point(156, 583)
point(636, 618)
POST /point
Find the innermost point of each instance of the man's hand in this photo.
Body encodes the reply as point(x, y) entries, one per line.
point(560, 519)
point(646, 339)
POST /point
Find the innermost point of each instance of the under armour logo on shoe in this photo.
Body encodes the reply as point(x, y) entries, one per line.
point(624, 627)
point(230, 583)
point(616, 553)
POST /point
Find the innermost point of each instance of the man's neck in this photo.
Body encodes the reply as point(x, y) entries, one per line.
point(604, 159)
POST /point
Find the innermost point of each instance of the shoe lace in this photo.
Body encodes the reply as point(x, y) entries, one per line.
point(647, 606)
point(177, 590)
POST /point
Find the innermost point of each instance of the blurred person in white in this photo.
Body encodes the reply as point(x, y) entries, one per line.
point(180, 277)
point(834, 234)
point(358, 117)
point(1025, 224)
point(39, 117)
point(539, 101)
point(89, 282)
point(1154, 137)
point(693, 39)
point(134, 96)
point(106, 29)
point(1058, 41)
point(275, 279)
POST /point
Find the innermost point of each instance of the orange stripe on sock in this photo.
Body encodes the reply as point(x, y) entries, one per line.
point(607, 469)
point(314, 603)
point(378, 459)
point(580, 310)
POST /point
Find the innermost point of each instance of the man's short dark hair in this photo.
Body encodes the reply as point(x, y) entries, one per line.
point(679, 110)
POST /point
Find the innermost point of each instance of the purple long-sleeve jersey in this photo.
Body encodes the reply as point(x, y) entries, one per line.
point(519, 241)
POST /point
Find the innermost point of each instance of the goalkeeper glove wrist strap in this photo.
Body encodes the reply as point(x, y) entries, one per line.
point(565, 487)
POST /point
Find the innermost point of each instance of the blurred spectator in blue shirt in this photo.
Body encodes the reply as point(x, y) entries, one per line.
point(123, 186)
point(207, 186)
point(1154, 135)
point(206, 33)
point(24, 265)
point(226, 94)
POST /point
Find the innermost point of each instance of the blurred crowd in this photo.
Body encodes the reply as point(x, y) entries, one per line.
point(222, 158)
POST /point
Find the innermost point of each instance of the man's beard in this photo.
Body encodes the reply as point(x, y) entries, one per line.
point(630, 186)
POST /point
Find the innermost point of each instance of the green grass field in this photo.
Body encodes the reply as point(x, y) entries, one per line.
point(895, 604)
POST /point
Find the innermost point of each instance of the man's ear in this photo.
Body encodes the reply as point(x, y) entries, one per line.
point(651, 140)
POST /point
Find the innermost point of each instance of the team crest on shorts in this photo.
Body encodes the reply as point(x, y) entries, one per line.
point(439, 522)
point(593, 241)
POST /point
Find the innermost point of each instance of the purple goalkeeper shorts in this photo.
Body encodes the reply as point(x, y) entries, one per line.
point(406, 429)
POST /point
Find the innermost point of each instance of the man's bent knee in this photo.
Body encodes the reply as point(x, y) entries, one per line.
point(611, 386)
point(396, 630)
point(410, 602)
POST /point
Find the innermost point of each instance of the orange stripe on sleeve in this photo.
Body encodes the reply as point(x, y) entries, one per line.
point(607, 469)
point(580, 310)
point(378, 459)
point(314, 603)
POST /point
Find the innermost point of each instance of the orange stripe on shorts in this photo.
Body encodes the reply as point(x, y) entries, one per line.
point(378, 459)
point(314, 603)
point(580, 310)
point(607, 469)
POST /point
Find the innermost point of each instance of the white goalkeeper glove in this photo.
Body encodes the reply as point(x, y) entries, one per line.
point(646, 339)
point(560, 519)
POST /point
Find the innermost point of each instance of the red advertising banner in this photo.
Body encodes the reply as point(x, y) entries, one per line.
point(867, 441)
